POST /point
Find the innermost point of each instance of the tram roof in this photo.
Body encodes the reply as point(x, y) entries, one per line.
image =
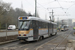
point(37, 19)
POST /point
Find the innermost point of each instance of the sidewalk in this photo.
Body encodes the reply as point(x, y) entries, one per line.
point(71, 42)
point(70, 45)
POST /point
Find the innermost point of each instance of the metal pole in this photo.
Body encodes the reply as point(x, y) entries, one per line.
point(21, 7)
point(35, 8)
point(52, 16)
point(6, 30)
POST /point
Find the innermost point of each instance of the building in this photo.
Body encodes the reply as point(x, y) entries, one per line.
point(67, 22)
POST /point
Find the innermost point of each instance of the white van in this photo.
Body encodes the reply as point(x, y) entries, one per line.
point(11, 27)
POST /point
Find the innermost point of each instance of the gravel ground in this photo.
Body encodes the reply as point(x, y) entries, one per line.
point(12, 37)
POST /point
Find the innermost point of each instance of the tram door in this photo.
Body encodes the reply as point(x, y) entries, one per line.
point(48, 29)
point(35, 30)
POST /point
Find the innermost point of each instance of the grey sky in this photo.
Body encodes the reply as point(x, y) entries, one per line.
point(29, 6)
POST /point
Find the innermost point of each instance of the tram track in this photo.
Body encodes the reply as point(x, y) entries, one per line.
point(61, 42)
point(35, 43)
point(40, 43)
point(52, 44)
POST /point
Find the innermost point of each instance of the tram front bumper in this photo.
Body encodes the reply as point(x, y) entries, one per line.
point(22, 38)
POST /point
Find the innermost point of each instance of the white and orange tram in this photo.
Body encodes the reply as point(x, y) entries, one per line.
point(33, 28)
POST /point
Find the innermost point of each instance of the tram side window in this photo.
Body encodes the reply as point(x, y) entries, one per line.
point(46, 26)
point(36, 24)
point(31, 24)
point(42, 24)
point(55, 26)
point(39, 24)
point(50, 25)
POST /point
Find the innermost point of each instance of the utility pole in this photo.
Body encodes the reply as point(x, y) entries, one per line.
point(35, 8)
point(52, 16)
point(21, 7)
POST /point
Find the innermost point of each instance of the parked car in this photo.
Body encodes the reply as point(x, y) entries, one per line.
point(11, 27)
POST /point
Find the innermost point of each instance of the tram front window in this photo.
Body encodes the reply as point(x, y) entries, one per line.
point(23, 25)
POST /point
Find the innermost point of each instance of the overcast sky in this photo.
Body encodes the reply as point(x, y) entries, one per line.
point(63, 9)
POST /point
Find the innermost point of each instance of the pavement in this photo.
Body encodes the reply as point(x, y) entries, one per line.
point(71, 41)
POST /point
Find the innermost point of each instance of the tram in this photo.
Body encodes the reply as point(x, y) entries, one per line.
point(34, 28)
point(64, 28)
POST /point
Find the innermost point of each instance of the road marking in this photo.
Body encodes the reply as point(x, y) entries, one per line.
point(26, 49)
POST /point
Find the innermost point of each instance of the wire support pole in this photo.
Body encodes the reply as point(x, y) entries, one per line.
point(35, 8)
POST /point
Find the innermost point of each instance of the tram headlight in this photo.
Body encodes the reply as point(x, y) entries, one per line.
point(24, 34)
point(19, 34)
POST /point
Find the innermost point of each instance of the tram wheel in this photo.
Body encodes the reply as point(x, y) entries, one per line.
point(55, 33)
point(41, 38)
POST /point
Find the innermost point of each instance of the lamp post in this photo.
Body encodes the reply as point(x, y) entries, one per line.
point(7, 21)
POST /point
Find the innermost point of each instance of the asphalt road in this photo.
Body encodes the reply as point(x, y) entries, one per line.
point(8, 33)
point(30, 45)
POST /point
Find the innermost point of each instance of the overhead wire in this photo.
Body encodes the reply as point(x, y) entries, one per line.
point(49, 2)
point(59, 5)
point(71, 5)
point(42, 6)
point(62, 7)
